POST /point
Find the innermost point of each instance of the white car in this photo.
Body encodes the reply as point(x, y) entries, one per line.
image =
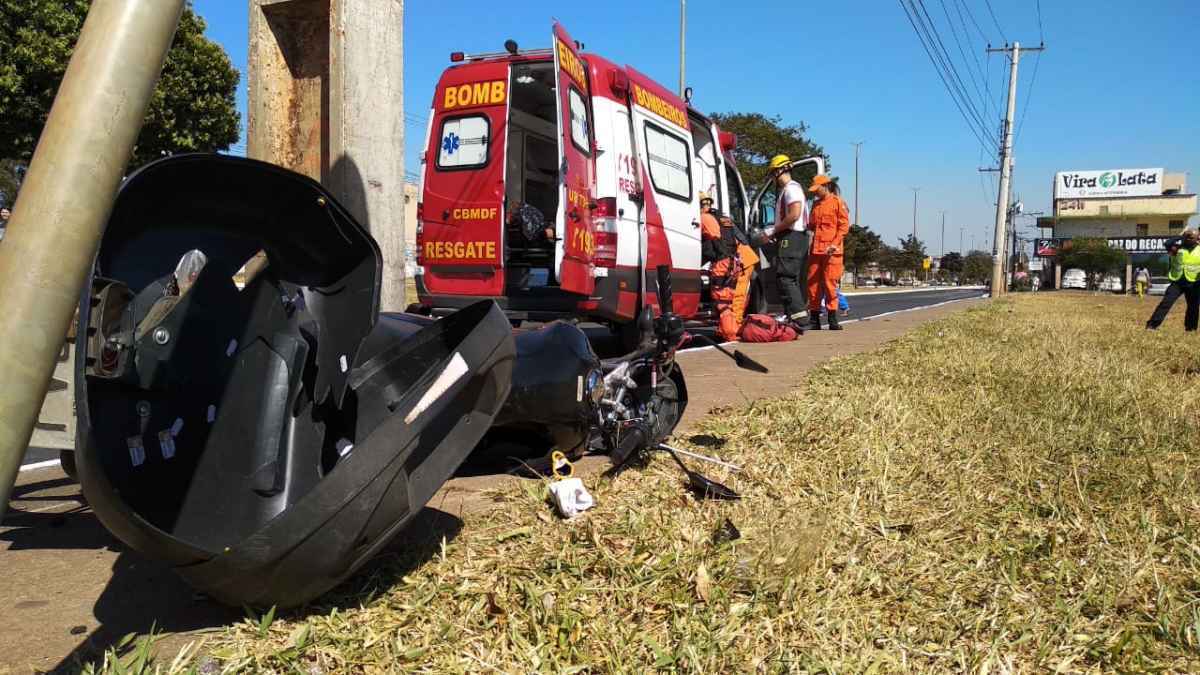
point(1074, 278)
point(1158, 285)
point(1112, 283)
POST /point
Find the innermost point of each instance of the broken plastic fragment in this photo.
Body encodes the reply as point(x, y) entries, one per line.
point(167, 443)
point(137, 453)
point(570, 497)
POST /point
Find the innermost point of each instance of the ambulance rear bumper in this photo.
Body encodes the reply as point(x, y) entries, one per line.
point(535, 304)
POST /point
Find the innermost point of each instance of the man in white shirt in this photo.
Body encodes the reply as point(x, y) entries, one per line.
point(790, 232)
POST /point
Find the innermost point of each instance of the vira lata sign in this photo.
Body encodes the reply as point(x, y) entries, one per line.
point(1110, 183)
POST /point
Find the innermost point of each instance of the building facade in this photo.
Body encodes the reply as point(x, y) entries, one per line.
point(1134, 209)
point(1098, 204)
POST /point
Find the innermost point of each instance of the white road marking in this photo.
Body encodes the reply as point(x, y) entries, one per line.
point(39, 465)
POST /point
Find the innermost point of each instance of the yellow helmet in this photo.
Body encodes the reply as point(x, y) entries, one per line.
point(779, 161)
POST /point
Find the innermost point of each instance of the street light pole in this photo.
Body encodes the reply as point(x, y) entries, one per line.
point(943, 253)
point(960, 240)
point(857, 146)
point(915, 191)
point(66, 200)
point(682, 45)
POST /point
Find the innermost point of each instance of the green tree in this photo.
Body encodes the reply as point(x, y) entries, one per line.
point(12, 174)
point(1093, 255)
point(193, 108)
point(977, 268)
point(952, 263)
point(862, 248)
point(759, 138)
point(911, 255)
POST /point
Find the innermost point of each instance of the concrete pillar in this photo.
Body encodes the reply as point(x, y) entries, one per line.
point(326, 86)
point(1128, 278)
point(1057, 277)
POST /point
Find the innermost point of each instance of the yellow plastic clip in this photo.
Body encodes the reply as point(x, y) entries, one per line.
point(557, 461)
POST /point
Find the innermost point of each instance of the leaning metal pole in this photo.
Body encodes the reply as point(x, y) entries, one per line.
point(66, 199)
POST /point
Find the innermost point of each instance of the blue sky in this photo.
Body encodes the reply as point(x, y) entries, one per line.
point(1116, 87)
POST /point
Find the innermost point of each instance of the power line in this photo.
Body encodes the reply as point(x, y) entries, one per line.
point(993, 13)
point(941, 76)
point(963, 53)
point(948, 64)
point(973, 21)
point(984, 74)
point(1041, 35)
point(1028, 96)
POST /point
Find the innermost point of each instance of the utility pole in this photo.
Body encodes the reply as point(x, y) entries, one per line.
point(915, 191)
point(960, 240)
point(1006, 164)
point(857, 146)
point(943, 253)
point(682, 45)
point(66, 200)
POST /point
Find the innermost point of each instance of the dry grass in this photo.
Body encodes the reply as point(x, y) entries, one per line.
point(1010, 489)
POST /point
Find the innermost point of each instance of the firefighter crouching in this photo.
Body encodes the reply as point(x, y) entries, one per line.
point(730, 275)
point(732, 267)
point(829, 223)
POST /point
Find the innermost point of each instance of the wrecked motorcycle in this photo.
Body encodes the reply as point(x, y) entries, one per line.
point(249, 416)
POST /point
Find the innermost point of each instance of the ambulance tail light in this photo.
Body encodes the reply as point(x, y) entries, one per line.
point(605, 218)
point(606, 207)
point(456, 57)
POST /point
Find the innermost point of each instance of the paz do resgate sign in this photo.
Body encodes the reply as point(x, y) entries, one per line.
point(1111, 183)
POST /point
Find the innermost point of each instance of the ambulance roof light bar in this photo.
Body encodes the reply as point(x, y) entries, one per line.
point(457, 57)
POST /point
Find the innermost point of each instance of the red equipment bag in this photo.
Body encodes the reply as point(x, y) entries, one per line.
point(764, 328)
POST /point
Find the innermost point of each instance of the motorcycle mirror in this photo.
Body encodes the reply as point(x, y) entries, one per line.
point(748, 363)
point(739, 358)
point(702, 486)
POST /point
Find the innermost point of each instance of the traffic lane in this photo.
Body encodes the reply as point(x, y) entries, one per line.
point(870, 304)
point(862, 306)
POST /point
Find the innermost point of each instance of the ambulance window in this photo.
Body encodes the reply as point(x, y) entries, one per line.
point(464, 142)
point(737, 197)
point(670, 166)
point(579, 121)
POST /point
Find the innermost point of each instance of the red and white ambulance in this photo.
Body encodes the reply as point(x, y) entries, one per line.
point(613, 162)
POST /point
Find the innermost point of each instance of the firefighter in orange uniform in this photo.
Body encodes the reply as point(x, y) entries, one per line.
point(829, 222)
point(709, 228)
point(732, 268)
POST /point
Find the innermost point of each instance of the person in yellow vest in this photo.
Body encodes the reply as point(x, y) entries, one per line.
point(1184, 273)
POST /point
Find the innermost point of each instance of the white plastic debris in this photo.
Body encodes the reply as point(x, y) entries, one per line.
point(570, 497)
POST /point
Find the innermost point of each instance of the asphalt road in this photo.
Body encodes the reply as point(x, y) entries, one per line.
point(861, 307)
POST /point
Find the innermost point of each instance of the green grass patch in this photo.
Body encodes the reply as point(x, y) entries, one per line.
point(1010, 488)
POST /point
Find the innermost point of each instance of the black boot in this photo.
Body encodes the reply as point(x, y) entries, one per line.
point(814, 321)
point(833, 321)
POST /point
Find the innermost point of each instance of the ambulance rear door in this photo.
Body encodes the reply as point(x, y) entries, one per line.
point(461, 243)
point(574, 227)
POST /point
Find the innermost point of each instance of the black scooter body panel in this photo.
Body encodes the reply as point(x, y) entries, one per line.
point(266, 441)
